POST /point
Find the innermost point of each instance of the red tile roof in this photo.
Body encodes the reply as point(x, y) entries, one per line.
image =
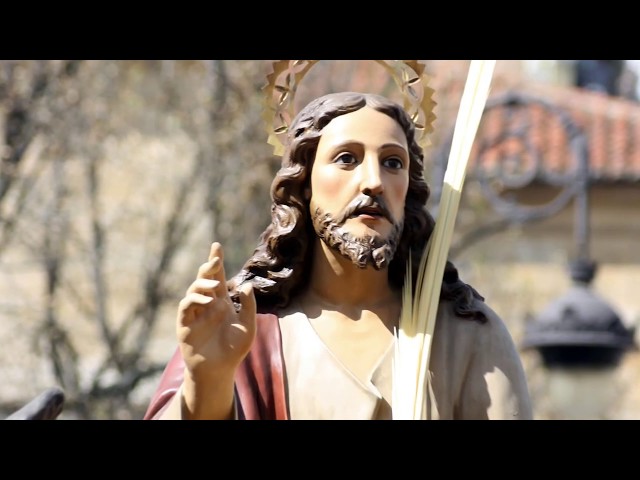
point(611, 126)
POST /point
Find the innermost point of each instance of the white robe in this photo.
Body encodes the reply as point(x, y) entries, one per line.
point(475, 373)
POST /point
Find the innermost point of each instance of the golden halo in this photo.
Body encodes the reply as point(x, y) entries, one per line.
point(286, 75)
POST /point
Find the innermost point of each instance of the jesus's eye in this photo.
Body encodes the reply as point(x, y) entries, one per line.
point(346, 159)
point(394, 163)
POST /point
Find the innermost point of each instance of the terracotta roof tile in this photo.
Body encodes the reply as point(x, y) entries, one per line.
point(611, 126)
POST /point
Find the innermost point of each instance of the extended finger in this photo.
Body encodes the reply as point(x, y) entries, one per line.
point(208, 269)
point(194, 299)
point(213, 264)
point(216, 256)
point(205, 286)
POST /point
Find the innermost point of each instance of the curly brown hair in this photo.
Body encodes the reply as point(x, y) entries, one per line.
point(280, 265)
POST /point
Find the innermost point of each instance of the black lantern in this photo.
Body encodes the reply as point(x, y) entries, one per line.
point(579, 329)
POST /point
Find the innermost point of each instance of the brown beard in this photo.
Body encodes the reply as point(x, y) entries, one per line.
point(362, 251)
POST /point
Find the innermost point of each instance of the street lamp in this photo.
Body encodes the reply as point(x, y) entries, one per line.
point(579, 329)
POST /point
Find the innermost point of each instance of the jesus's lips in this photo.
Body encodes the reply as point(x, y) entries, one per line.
point(374, 212)
point(374, 207)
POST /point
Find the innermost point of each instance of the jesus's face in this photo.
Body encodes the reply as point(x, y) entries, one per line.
point(359, 183)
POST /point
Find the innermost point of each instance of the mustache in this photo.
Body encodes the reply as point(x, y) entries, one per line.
point(363, 201)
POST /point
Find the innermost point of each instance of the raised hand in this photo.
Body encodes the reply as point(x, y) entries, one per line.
point(213, 337)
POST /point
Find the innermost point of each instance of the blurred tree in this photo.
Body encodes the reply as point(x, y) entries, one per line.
point(115, 176)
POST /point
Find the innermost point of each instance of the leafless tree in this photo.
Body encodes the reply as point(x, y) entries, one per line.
point(115, 177)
